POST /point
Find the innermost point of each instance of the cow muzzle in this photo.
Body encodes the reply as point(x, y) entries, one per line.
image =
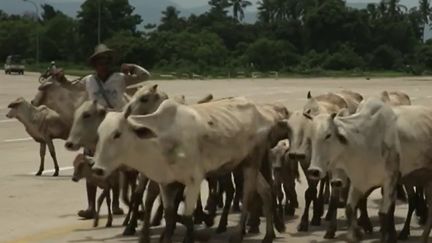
point(71, 146)
point(336, 183)
point(296, 156)
point(98, 171)
point(314, 173)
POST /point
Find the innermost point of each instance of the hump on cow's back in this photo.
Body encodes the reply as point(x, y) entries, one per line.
point(333, 99)
point(371, 105)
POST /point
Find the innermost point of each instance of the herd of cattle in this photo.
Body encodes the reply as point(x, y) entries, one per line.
point(346, 144)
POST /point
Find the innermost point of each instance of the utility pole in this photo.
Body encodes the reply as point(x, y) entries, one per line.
point(37, 30)
point(99, 21)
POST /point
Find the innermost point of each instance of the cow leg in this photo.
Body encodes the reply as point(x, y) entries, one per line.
point(99, 204)
point(116, 196)
point(226, 183)
point(318, 204)
point(137, 196)
point(157, 218)
point(428, 226)
point(421, 209)
point(310, 195)
point(364, 220)
point(277, 188)
point(264, 191)
point(152, 193)
point(332, 213)
point(405, 232)
point(386, 210)
point(191, 194)
point(326, 194)
point(249, 190)
point(53, 156)
point(238, 181)
point(108, 202)
point(168, 194)
point(42, 152)
point(354, 232)
point(291, 202)
point(211, 205)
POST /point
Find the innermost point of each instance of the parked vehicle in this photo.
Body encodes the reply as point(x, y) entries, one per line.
point(14, 64)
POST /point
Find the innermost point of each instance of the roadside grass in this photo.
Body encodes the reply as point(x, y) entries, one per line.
point(82, 70)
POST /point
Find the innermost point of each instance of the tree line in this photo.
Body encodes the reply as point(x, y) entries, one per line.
point(289, 35)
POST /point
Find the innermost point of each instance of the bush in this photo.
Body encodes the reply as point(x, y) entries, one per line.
point(266, 54)
point(386, 57)
point(344, 59)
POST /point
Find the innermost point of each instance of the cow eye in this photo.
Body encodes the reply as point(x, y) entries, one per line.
point(86, 115)
point(327, 136)
point(117, 135)
point(143, 99)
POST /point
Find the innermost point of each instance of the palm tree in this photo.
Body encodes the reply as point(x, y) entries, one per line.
point(238, 8)
point(425, 10)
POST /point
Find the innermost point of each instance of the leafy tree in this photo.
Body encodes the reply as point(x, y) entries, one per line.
point(116, 15)
point(49, 12)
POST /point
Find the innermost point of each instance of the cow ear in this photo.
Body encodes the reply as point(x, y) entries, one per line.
point(127, 112)
point(102, 111)
point(144, 132)
point(45, 85)
point(341, 136)
point(385, 96)
point(14, 103)
point(333, 115)
point(154, 88)
point(343, 112)
point(309, 95)
point(307, 114)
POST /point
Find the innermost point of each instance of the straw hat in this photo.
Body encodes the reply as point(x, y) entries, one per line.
point(101, 50)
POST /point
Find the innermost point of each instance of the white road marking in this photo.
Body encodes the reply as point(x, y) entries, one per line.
point(53, 170)
point(8, 120)
point(17, 140)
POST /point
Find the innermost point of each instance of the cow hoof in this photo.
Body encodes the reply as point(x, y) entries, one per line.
point(209, 221)
point(237, 237)
point(303, 227)
point(87, 214)
point(280, 225)
point(366, 225)
point(403, 235)
point(144, 238)
point(39, 173)
point(129, 230)
point(117, 211)
point(254, 230)
point(236, 208)
point(290, 211)
point(354, 235)
point(108, 224)
point(221, 228)
point(56, 173)
point(156, 223)
point(268, 238)
point(329, 235)
point(316, 222)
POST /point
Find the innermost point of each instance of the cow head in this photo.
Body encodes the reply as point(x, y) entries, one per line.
point(87, 119)
point(60, 96)
point(328, 141)
point(14, 107)
point(311, 107)
point(82, 167)
point(146, 100)
point(123, 137)
point(299, 136)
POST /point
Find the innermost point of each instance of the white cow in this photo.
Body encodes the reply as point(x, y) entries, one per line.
point(180, 143)
point(366, 147)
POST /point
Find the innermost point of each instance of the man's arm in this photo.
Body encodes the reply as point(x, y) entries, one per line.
point(134, 74)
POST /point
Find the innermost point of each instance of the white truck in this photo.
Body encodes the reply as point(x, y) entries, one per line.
point(14, 64)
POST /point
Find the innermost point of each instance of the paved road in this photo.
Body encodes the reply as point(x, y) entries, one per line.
point(43, 209)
